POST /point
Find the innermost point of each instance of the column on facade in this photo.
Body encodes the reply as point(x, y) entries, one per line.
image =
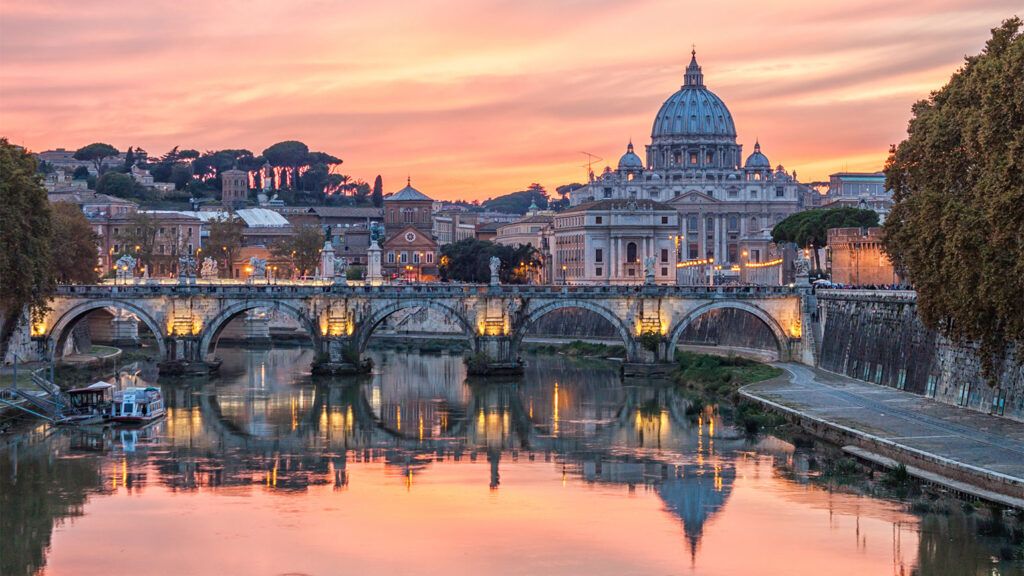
point(702, 225)
point(718, 239)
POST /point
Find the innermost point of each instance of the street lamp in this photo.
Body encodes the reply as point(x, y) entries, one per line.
point(564, 269)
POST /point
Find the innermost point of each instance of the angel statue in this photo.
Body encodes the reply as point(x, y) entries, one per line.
point(495, 264)
point(209, 269)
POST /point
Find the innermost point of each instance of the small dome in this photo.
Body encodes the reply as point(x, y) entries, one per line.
point(407, 194)
point(629, 160)
point(757, 159)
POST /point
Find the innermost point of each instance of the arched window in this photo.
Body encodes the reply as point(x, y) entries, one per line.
point(631, 252)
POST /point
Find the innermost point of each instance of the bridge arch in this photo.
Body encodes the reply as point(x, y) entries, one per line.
point(214, 326)
point(533, 316)
point(781, 339)
point(58, 334)
point(369, 324)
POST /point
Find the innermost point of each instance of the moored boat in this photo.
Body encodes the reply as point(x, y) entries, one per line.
point(90, 404)
point(137, 405)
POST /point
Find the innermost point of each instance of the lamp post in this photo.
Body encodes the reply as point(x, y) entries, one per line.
point(564, 280)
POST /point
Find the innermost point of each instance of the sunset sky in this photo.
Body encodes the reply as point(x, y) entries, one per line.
point(476, 98)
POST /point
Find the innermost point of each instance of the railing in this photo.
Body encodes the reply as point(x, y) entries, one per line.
point(311, 288)
point(867, 294)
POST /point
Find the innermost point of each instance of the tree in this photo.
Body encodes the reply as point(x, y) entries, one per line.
point(129, 159)
point(224, 241)
point(809, 229)
point(96, 153)
point(26, 278)
point(360, 192)
point(290, 155)
point(377, 197)
point(80, 173)
point(301, 249)
point(958, 187)
point(469, 261)
point(211, 164)
point(140, 238)
point(519, 202)
point(116, 184)
point(73, 244)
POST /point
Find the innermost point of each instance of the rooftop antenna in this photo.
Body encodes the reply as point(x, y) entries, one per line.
point(591, 158)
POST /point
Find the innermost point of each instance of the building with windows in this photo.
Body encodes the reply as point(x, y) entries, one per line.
point(409, 249)
point(608, 241)
point(856, 257)
point(864, 190)
point(695, 165)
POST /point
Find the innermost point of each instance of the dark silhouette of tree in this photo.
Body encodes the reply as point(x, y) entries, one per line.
point(96, 153)
point(958, 185)
point(518, 202)
point(116, 184)
point(26, 271)
point(129, 159)
point(73, 245)
point(224, 242)
point(378, 192)
point(301, 249)
point(809, 229)
point(469, 261)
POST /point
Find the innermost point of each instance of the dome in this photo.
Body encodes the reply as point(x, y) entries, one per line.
point(408, 194)
point(693, 110)
point(757, 159)
point(629, 160)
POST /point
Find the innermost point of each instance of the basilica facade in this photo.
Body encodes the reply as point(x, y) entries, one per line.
point(725, 203)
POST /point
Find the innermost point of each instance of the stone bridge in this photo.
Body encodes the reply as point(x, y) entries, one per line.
point(187, 319)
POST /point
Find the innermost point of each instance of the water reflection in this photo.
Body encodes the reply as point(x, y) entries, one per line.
point(582, 473)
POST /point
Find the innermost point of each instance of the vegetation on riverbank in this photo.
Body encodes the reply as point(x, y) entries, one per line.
point(716, 379)
point(579, 348)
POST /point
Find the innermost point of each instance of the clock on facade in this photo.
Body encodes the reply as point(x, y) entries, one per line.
point(410, 237)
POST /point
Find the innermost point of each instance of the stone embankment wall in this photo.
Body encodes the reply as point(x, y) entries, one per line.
point(877, 337)
point(20, 344)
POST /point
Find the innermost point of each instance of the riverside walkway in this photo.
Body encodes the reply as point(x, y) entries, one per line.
point(962, 445)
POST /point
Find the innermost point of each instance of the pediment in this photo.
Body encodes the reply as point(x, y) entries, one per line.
point(693, 197)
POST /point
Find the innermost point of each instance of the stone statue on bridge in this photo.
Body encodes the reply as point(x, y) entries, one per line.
point(495, 265)
point(259, 268)
point(186, 268)
point(340, 270)
point(125, 267)
point(649, 270)
point(209, 269)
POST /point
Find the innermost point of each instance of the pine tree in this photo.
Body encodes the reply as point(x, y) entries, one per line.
point(378, 192)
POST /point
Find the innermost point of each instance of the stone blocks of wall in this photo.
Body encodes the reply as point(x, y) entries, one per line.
point(880, 339)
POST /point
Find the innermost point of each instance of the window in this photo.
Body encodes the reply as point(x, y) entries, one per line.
point(631, 252)
point(117, 248)
point(664, 271)
point(664, 219)
point(691, 223)
point(693, 158)
point(710, 158)
point(780, 191)
point(598, 219)
point(415, 257)
point(691, 250)
point(404, 258)
point(734, 223)
point(598, 271)
point(391, 257)
point(430, 257)
point(632, 272)
point(599, 255)
point(664, 254)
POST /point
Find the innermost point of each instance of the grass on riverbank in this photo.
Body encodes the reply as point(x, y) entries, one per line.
point(579, 348)
point(720, 376)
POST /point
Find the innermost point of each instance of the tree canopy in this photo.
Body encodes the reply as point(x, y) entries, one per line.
point(26, 272)
point(96, 153)
point(519, 202)
point(73, 245)
point(301, 249)
point(116, 184)
point(224, 241)
point(469, 260)
point(809, 229)
point(958, 186)
point(378, 192)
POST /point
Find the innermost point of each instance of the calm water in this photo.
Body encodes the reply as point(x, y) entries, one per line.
point(416, 471)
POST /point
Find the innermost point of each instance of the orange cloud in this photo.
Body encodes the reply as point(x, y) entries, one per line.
point(475, 99)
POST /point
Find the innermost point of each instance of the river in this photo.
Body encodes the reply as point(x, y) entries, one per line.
point(414, 470)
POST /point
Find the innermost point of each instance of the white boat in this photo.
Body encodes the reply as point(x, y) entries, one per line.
point(137, 405)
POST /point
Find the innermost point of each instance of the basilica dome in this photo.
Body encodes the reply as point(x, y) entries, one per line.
point(757, 159)
point(629, 160)
point(693, 110)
